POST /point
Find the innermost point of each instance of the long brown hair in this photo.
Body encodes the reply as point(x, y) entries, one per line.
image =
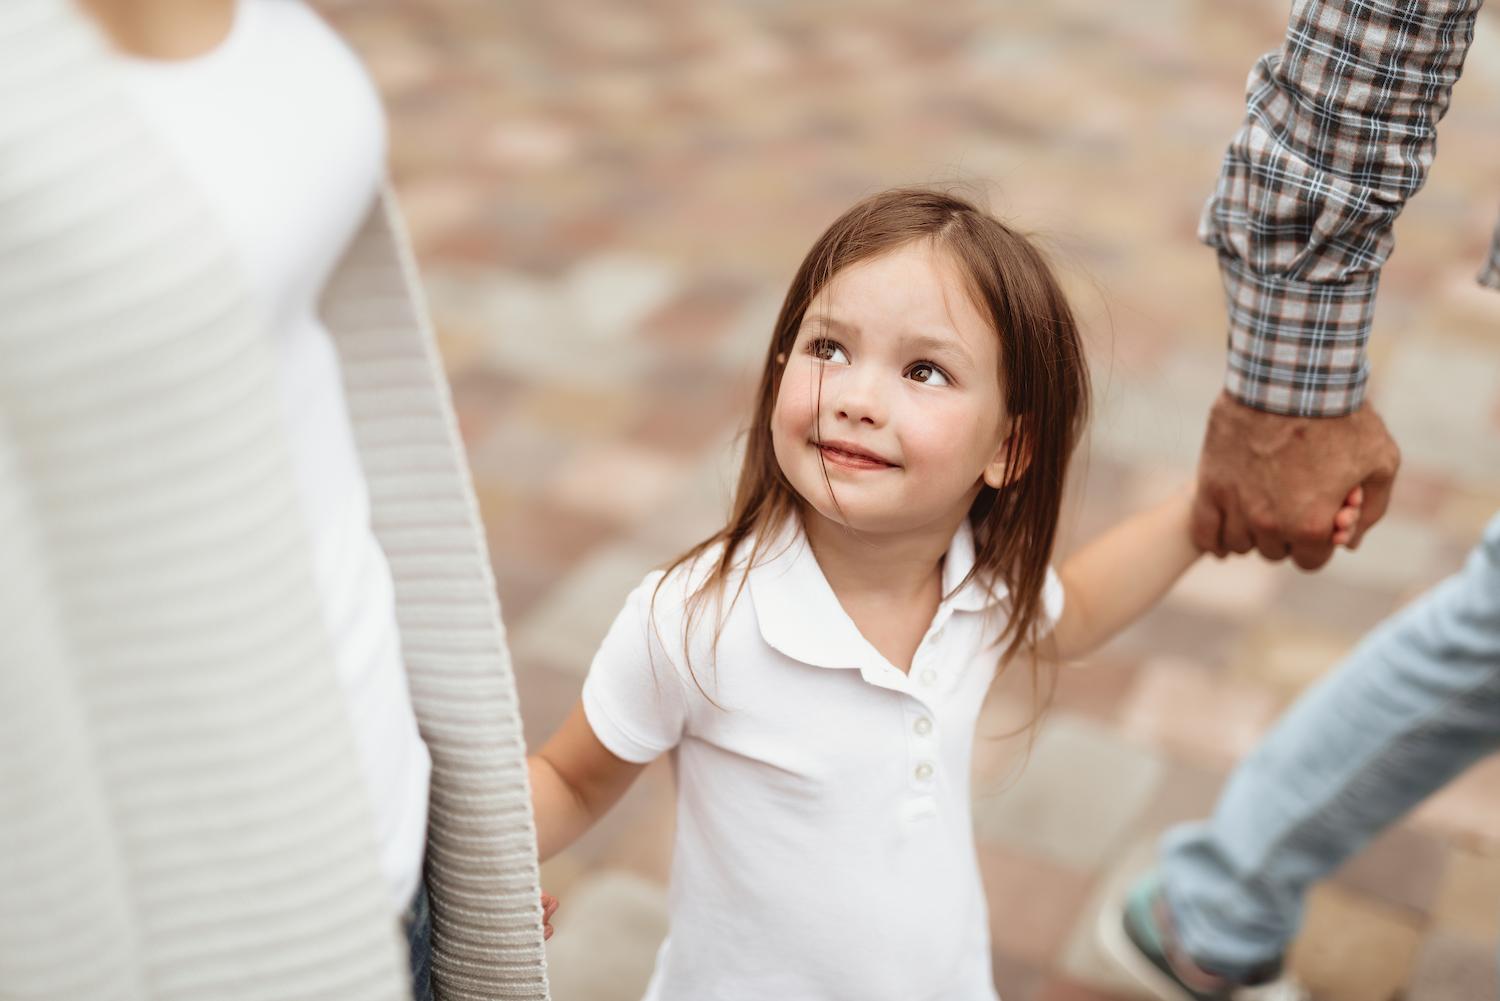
point(1042, 371)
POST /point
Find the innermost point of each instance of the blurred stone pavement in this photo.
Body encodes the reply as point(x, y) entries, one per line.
point(608, 201)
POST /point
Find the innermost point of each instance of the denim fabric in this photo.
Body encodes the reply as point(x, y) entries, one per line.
point(1416, 703)
point(418, 922)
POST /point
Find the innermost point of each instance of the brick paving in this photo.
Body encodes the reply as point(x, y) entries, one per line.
point(608, 201)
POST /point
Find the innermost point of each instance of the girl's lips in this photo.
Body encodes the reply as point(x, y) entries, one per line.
point(840, 456)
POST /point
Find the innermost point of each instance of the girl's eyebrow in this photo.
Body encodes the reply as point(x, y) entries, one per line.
point(937, 344)
point(829, 323)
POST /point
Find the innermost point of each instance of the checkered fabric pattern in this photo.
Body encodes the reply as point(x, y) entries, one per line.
point(1339, 132)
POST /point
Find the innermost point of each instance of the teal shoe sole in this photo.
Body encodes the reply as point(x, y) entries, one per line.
point(1129, 959)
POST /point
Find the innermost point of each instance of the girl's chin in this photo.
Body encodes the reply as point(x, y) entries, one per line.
point(851, 514)
point(865, 511)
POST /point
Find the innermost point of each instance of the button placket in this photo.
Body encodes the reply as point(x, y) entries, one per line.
point(921, 747)
point(921, 742)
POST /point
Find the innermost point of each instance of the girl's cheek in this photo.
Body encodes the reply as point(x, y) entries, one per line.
point(941, 439)
point(793, 413)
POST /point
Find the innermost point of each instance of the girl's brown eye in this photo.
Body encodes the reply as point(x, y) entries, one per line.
point(928, 375)
point(826, 350)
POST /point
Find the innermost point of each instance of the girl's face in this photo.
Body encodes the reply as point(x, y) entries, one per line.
point(911, 419)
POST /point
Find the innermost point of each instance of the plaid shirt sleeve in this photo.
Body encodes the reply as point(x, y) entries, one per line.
point(1340, 131)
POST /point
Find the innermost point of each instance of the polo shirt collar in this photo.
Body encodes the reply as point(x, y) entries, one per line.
point(800, 616)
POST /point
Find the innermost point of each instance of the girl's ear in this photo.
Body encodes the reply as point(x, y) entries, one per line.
point(1005, 468)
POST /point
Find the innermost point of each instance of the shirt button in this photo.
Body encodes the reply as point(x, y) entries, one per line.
point(923, 726)
point(928, 676)
point(923, 772)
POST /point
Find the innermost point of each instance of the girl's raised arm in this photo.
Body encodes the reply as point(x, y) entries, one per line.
point(1121, 575)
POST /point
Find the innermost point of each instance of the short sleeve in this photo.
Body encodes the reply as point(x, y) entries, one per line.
point(633, 696)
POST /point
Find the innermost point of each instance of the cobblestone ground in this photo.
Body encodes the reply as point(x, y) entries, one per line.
point(608, 200)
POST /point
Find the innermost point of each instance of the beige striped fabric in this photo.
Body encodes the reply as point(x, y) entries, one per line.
point(181, 810)
point(481, 852)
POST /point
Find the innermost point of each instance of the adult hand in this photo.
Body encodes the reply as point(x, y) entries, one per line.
point(1276, 483)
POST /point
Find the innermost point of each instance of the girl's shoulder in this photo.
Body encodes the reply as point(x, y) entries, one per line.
point(679, 620)
point(695, 585)
point(704, 597)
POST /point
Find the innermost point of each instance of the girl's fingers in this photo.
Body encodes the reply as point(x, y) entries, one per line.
point(1346, 521)
point(549, 908)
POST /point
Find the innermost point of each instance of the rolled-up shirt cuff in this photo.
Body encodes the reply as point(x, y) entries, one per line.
point(1297, 347)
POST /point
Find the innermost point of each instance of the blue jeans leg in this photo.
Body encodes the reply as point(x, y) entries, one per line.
point(1416, 703)
point(418, 923)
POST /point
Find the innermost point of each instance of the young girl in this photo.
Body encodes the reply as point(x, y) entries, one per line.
point(817, 666)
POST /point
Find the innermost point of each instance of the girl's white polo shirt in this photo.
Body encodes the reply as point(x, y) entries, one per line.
point(824, 847)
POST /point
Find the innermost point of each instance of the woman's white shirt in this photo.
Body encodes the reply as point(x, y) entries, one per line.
point(824, 846)
point(281, 131)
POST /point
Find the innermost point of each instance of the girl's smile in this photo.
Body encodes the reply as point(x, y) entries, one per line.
point(850, 456)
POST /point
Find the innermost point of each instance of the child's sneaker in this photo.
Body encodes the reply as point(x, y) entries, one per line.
point(1138, 937)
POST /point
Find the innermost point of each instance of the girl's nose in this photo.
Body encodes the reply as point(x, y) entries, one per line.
point(858, 401)
point(849, 415)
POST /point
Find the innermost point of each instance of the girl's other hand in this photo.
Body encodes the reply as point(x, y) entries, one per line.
point(1347, 519)
point(549, 908)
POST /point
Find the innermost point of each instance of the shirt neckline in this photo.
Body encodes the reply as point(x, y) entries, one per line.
point(799, 614)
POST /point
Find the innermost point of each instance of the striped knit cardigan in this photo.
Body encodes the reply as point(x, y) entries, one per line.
point(181, 809)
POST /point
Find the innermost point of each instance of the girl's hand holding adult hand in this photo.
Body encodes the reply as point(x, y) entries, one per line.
point(1276, 483)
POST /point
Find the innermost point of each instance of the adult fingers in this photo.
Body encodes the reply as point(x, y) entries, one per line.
point(1271, 544)
point(1310, 531)
point(1237, 530)
point(1312, 555)
point(1380, 477)
point(1206, 524)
